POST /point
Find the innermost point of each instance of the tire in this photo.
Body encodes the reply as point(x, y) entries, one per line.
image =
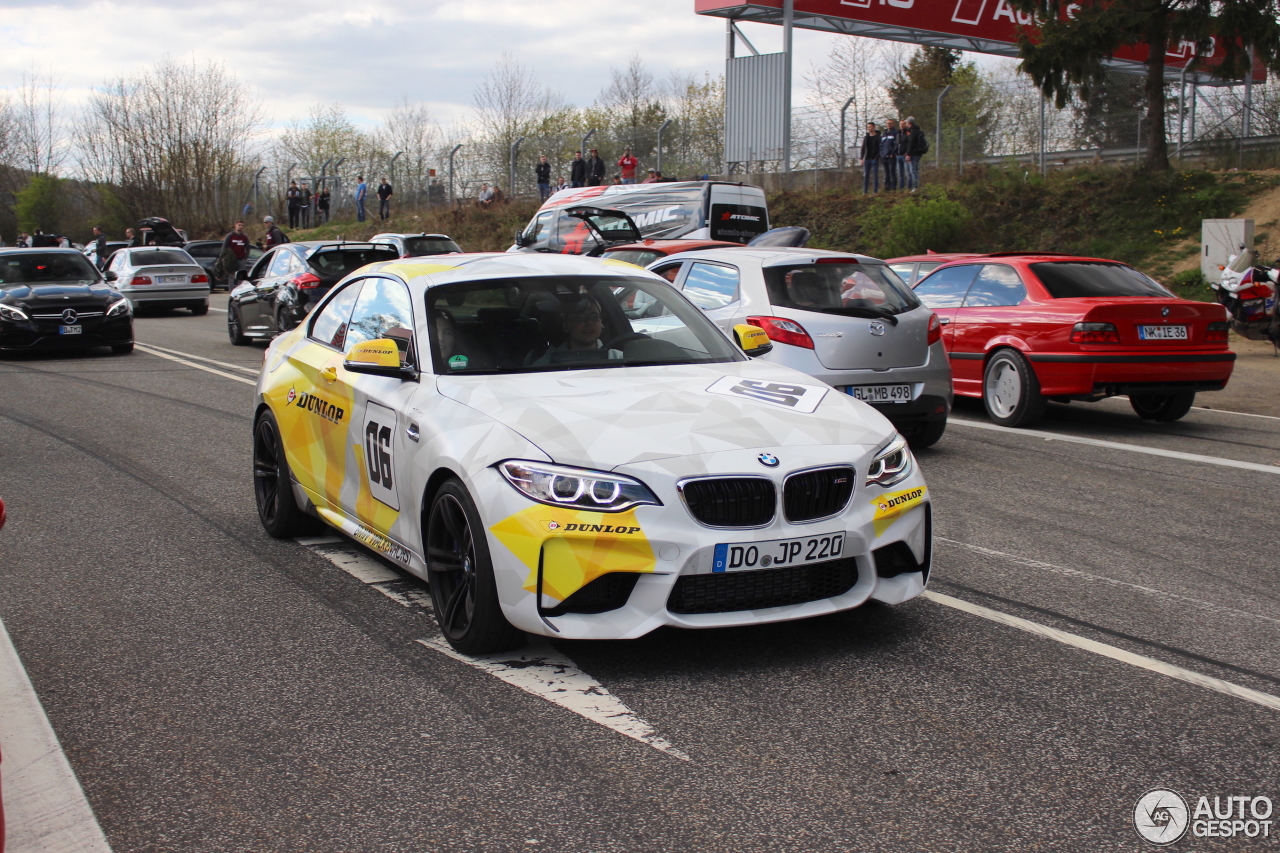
point(122, 349)
point(1010, 390)
point(1162, 408)
point(200, 310)
point(463, 588)
point(927, 435)
point(238, 338)
point(279, 513)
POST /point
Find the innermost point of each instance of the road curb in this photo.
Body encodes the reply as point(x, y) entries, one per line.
point(45, 809)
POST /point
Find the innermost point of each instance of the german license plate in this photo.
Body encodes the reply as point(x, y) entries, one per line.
point(70, 330)
point(881, 393)
point(778, 552)
point(170, 279)
point(1162, 333)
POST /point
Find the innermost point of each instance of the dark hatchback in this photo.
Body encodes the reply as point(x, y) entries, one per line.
point(57, 299)
point(288, 281)
point(206, 253)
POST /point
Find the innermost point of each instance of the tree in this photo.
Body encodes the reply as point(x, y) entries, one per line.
point(41, 131)
point(410, 131)
point(1068, 51)
point(509, 104)
point(854, 69)
point(970, 104)
point(41, 204)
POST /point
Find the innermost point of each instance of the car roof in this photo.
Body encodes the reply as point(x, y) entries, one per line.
point(435, 270)
point(407, 235)
point(778, 253)
point(940, 257)
point(671, 247)
point(11, 250)
point(1034, 256)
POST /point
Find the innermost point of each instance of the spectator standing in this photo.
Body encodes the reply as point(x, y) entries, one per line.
point(889, 154)
point(543, 173)
point(578, 171)
point(275, 237)
point(362, 192)
point(595, 169)
point(304, 206)
point(627, 166)
point(130, 238)
point(24, 240)
point(870, 155)
point(323, 198)
point(99, 246)
point(916, 146)
point(293, 202)
point(235, 248)
point(384, 199)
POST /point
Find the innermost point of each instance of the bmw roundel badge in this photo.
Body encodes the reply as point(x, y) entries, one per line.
point(1164, 312)
point(768, 460)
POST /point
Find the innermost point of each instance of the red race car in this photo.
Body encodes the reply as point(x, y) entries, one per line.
point(1024, 329)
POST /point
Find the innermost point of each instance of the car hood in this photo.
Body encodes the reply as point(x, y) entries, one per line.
point(48, 294)
point(609, 417)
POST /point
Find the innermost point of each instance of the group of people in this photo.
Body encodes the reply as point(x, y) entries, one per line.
point(896, 149)
point(299, 200)
point(384, 193)
point(591, 172)
point(40, 240)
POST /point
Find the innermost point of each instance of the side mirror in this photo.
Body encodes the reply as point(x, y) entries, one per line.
point(111, 275)
point(241, 276)
point(753, 340)
point(520, 238)
point(380, 357)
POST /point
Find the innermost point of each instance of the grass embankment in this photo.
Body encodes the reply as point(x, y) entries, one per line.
point(473, 229)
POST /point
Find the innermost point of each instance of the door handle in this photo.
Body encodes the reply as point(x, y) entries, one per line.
point(944, 321)
point(329, 374)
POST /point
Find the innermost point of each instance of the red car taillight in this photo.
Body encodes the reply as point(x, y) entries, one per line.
point(1094, 333)
point(200, 279)
point(1216, 333)
point(783, 331)
point(306, 281)
point(935, 329)
point(140, 279)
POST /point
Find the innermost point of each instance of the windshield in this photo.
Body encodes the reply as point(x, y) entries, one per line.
point(336, 263)
point(203, 250)
point(41, 267)
point(417, 247)
point(1070, 279)
point(839, 287)
point(572, 323)
point(158, 257)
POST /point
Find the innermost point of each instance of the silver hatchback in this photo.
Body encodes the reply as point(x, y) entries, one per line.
point(845, 319)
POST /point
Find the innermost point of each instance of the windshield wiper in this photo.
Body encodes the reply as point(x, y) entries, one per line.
point(869, 312)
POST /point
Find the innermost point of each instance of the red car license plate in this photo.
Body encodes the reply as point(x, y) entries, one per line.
point(1162, 333)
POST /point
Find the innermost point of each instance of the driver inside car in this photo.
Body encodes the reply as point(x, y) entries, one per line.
point(583, 324)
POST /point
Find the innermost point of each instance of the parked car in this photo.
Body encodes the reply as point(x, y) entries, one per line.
point(912, 268)
point(1022, 330)
point(160, 277)
point(697, 210)
point(644, 253)
point(56, 299)
point(207, 252)
point(155, 231)
point(287, 282)
point(418, 245)
point(113, 246)
point(845, 319)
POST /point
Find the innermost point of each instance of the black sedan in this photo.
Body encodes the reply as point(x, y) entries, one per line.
point(288, 281)
point(57, 299)
point(206, 253)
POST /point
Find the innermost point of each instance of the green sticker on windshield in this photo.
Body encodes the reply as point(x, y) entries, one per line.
point(458, 362)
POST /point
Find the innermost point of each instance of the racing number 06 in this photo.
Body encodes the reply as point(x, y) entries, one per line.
point(377, 451)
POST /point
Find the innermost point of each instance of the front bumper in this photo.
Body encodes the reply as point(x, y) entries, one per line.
point(168, 297)
point(582, 575)
point(44, 335)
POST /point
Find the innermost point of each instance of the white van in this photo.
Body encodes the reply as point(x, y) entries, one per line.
point(694, 210)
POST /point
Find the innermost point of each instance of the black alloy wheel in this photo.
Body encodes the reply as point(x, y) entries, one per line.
point(237, 336)
point(1162, 408)
point(272, 486)
point(463, 589)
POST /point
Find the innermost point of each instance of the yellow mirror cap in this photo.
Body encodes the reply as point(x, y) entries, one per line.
point(750, 337)
point(383, 353)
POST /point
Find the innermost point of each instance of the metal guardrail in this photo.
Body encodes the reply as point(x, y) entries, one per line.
point(1200, 148)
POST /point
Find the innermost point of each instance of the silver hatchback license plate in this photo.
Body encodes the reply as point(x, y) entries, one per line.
point(746, 556)
point(1162, 333)
point(70, 330)
point(881, 393)
point(170, 279)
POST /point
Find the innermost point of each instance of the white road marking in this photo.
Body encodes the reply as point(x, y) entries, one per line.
point(1116, 445)
point(149, 351)
point(45, 808)
point(1208, 682)
point(1219, 609)
point(1229, 412)
point(254, 370)
point(219, 310)
point(537, 669)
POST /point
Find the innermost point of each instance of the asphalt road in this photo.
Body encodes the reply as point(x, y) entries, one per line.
point(217, 690)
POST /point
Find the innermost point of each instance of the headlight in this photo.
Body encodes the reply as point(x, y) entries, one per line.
point(576, 488)
point(891, 465)
point(8, 312)
point(120, 306)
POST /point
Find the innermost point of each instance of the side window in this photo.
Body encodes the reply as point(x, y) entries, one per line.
point(281, 263)
point(117, 262)
point(904, 271)
point(383, 308)
point(670, 271)
point(260, 268)
point(996, 285)
point(711, 286)
point(946, 287)
point(539, 229)
point(331, 322)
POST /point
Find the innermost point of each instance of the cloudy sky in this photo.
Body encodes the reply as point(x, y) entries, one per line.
point(369, 54)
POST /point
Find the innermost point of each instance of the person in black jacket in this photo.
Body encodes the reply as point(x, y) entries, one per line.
point(870, 155)
point(292, 198)
point(595, 169)
point(578, 171)
point(889, 154)
point(543, 173)
point(913, 146)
